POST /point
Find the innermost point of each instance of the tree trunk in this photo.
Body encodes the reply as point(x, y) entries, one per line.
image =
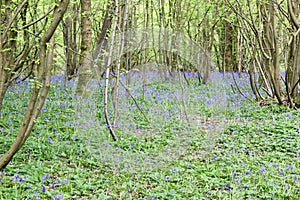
point(123, 17)
point(106, 26)
point(293, 69)
point(70, 39)
point(109, 62)
point(85, 62)
point(270, 48)
point(228, 56)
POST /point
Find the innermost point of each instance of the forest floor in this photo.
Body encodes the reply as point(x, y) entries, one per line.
point(196, 142)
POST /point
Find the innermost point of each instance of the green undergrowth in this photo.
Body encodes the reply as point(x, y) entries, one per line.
point(217, 146)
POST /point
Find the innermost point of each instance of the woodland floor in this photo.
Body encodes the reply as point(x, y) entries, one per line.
point(199, 142)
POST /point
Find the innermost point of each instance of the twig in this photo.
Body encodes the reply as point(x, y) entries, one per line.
point(39, 19)
point(109, 126)
point(239, 90)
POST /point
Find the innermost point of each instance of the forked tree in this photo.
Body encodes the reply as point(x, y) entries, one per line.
point(43, 70)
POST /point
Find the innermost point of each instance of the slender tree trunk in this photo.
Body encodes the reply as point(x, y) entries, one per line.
point(107, 75)
point(101, 38)
point(70, 39)
point(228, 57)
point(115, 90)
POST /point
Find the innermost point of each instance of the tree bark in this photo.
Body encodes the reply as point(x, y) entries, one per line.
point(228, 56)
point(85, 62)
point(70, 42)
point(293, 68)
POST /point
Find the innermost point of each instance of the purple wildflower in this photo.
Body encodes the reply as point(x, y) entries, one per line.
point(167, 178)
point(262, 170)
point(18, 178)
point(43, 189)
point(280, 172)
point(234, 175)
point(215, 157)
point(46, 176)
point(227, 187)
point(286, 187)
point(152, 197)
point(50, 140)
point(54, 184)
point(59, 197)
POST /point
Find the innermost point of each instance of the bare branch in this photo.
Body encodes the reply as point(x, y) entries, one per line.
point(39, 19)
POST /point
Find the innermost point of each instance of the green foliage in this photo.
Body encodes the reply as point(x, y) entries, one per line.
point(255, 156)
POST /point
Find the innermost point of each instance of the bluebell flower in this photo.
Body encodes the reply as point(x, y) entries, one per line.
point(280, 172)
point(50, 140)
point(167, 178)
point(289, 115)
point(262, 170)
point(43, 189)
point(215, 157)
point(59, 197)
point(234, 175)
point(227, 187)
point(286, 187)
point(46, 176)
point(16, 177)
point(54, 184)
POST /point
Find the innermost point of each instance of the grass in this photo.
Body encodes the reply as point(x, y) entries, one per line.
point(217, 146)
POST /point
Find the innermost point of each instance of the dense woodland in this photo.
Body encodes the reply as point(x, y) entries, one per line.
point(105, 40)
